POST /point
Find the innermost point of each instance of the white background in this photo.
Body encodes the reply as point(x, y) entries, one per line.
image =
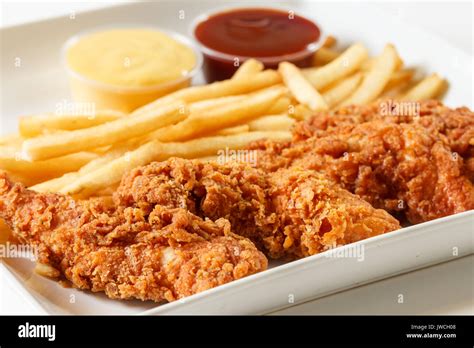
point(442, 289)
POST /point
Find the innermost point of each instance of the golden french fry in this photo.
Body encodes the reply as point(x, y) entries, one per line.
point(53, 145)
point(300, 112)
point(106, 193)
point(329, 42)
point(400, 82)
point(272, 123)
point(342, 90)
point(234, 130)
point(281, 106)
point(215, 90)
point(46, 270)
point(377, 78)
point(31, 126)
point(344, 65)
point(26, 179)
point(10, 151)
point(248, 68)
point(430, 87)
point(207, 104)
point(301, 88)
point(113, 171)
point(225, 116)
point(47, 168)
point(399, 77)
point(368, 64)
point(208, 159)
point(324, 56)
point(11, 139)
point(54, 185)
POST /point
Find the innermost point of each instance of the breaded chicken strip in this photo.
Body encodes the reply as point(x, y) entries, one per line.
point(455, 127)
point(289, 214)
point(164, 253)
point(404, 168)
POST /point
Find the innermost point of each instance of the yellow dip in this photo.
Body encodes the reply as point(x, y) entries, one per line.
point(130, 57)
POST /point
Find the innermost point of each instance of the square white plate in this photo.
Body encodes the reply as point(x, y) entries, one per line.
point(40, 85)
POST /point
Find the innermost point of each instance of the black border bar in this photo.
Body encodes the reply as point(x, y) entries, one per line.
point(241, 330)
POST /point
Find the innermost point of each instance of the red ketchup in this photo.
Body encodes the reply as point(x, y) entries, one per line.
point(229, 38)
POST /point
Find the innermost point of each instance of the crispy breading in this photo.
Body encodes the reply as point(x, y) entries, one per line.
point(407, 167)
point(161, 254)
point(288, 214)
point(455, 127)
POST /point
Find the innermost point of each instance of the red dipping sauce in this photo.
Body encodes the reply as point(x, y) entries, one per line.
point(230, 37)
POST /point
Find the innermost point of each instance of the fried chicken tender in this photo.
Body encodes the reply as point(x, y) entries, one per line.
point(455, 127)
point(172, 229)
point(408, 168)
point(161, 254)
point(288, 214)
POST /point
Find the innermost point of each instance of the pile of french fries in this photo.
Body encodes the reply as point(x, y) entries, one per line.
point(86, 156)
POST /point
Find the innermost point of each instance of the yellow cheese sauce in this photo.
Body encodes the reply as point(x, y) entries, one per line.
point(130, 57)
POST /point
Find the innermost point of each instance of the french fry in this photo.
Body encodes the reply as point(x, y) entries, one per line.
point(207, 104)
point(377, 78)
point(56, 184)
point(208, 159)
point(329, 42)
point(113, 171)
point(324, 56)
point(430, 87)
point(248, 68)
point(344, 65)
point(53, 145)
point(400, 82)
point(368, 64)
point(31, 126)
point(234, 130)
point(272, 123)
point(281, 106)
point(11, 139)
point(215, 90)
point(300, 112)
point(48, 168)
point(10, 151)
point(301, 88)
point(106, 193)
point(399, 77)
point(25, 179)
point(225, 116)
point(46, 270)
point(342, 90)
